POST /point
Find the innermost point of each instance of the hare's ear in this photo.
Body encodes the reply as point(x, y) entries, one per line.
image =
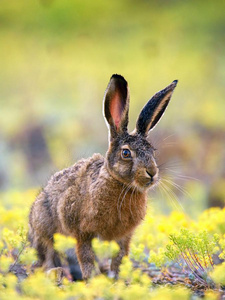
point(116, 105)
point(154, 109)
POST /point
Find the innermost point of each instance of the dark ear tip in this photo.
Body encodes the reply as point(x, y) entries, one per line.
point(117, 76)
point(172, 86)
point(175, 82)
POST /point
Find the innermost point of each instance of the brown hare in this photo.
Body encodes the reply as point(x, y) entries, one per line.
point(102, 197)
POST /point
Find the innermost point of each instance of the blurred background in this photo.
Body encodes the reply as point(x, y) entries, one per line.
point(56, 59)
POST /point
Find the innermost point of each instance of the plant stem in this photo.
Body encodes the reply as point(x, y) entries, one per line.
point(195, 259)
point(23, 247)
point(192, 268)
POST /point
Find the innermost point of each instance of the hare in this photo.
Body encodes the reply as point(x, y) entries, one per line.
point(102, 197)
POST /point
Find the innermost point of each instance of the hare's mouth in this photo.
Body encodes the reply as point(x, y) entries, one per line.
point(147, 178)
point(146, 182)
point(151, 183)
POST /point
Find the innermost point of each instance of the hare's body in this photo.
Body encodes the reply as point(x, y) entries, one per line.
point(101, 197)
point(67, 207)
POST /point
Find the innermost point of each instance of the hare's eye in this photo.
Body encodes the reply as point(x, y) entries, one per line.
point(126, 153)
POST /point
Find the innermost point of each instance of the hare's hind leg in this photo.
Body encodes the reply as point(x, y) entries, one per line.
point(124, 250)
point(52, 259)
point(47, 256)
point(86, 257)
point(41, 253)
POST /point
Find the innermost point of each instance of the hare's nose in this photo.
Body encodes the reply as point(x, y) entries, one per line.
point(152, 173)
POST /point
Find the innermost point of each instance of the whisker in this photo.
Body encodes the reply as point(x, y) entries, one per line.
point(136, 190)
point(169, 136)
point(178, 187)
point(118, 200)
point(172, 196)
point(162, 188)
point(121, 203)
point(175, 197)
point(130, 203)
point(171, 164)
point(167, 145)
point(159, 141)
point(180, 176)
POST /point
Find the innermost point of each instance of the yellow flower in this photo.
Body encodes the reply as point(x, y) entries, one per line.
point(105, 249)
point(62, 242)
point(5, 262)
point(218, 274)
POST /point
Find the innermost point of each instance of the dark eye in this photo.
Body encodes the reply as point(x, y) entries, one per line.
point(126, 153)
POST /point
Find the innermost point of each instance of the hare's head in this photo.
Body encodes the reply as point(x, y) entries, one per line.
point(131, 157)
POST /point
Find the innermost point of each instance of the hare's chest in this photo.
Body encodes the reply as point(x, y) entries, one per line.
point(122, 219)
point(118, 229)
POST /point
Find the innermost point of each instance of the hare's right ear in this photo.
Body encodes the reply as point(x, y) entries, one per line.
point(116, 105)
point(154, 109)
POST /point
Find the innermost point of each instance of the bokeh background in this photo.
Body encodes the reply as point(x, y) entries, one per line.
point(56, 59)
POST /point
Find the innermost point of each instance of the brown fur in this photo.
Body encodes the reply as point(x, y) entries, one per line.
point(97, 197)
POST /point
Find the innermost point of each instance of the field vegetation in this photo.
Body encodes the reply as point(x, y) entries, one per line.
point(56, 59)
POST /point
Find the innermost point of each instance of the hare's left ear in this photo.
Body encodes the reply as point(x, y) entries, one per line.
point(116, 105)
point(154, 109)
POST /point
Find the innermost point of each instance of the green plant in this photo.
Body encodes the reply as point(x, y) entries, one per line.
point(195, 249)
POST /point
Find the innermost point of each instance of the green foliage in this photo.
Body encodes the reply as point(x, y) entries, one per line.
point(105, 249)
point(213, 220)
point(161, 240)
point(171, 294)
point(56, 59)
point(218, 274)
point(5, 262)
point(62, 242)
point(195, 249)
point(137, 252)
point(158, 257)
point(39, 285)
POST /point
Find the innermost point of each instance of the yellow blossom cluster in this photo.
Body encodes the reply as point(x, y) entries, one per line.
point(158, 241)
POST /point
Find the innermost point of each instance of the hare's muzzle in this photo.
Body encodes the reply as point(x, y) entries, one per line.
point(147, 177)
point(151, 175)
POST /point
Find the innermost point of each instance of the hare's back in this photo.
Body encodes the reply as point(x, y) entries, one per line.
point(76, 175)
